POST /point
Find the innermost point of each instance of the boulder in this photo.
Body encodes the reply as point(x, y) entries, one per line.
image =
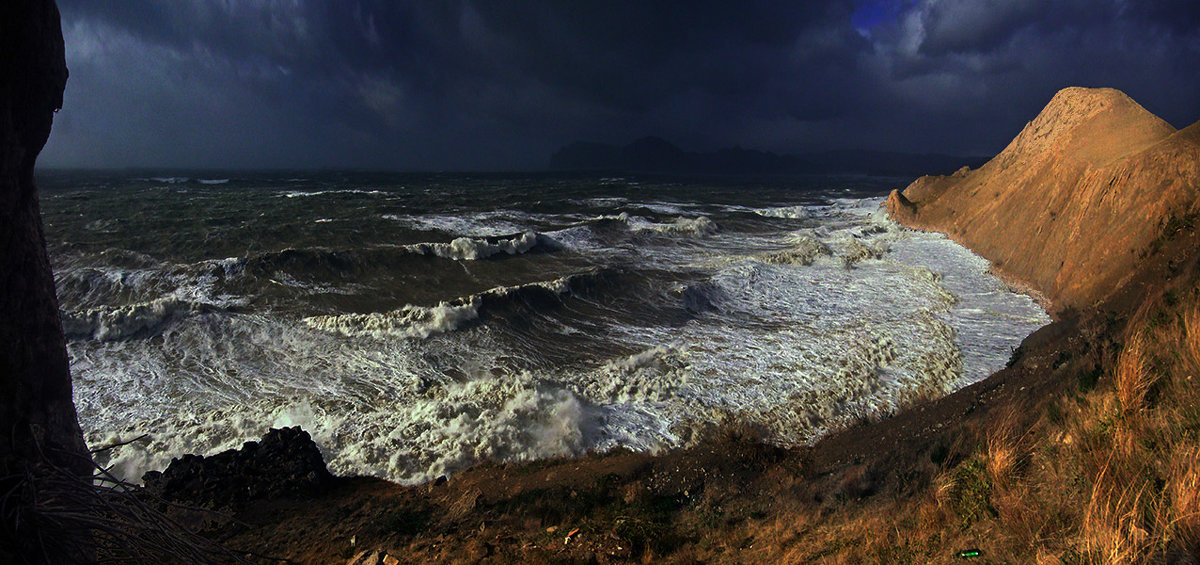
point(285, 463)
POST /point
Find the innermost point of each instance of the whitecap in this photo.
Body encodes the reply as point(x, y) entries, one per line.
point(409, 321)
point(790, 212)
point(307, 193)
point(470, 249)
point(124, 322)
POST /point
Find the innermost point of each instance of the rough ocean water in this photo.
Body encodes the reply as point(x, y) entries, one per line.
point(418, 324)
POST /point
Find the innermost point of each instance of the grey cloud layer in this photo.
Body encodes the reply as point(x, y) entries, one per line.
point(499, 85)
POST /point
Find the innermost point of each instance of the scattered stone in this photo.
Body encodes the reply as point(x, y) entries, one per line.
point(373, 557)
point(478, 549)
point(465, 503)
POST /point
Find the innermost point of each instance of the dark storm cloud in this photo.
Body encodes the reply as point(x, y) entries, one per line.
point(636, 59)
point(287, 83)
point(1178, 16)
point(978, 26)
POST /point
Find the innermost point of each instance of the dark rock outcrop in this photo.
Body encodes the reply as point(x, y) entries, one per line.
point(1075, 203)
point(900, 208)
point(41, 446)
point(284, 463)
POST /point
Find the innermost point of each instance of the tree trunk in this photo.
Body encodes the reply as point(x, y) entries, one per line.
point(40, 441)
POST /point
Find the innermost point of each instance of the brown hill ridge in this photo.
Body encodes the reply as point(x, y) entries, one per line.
point(1074, 202)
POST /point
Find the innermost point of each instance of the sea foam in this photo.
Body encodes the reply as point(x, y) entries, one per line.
point(471, 249)
point(651, 327)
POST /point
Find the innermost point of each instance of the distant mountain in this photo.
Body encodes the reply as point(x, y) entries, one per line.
point(657, 155)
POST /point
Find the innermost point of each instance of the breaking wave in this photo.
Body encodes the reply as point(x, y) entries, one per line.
point(307, 193)
point(516, 418)
point(409, 321)
point(307, 261)
point(97, 286)
point(470, 249)
point(790, 212)
point(804, 252)
point(424, 321)
point(140, 320)
point(492, 223)
point(651, 375)
point(856, 251)
point(503, 418)
point(699, 226)
point(695, 227)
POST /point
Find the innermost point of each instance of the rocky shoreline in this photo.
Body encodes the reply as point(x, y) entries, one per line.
point(1074, 204)
point(733, 499)
point(1086, 448)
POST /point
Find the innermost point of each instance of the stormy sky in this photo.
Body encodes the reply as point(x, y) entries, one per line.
point(499, 85)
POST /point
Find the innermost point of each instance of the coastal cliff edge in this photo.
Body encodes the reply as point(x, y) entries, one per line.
point(1074, 203)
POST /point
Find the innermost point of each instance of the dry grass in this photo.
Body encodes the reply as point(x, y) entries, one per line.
point(1111, 529)
point(1114, 478)
point(1007, 448)
point(1190, 342)
point(1133, 377)
point(1183, 492)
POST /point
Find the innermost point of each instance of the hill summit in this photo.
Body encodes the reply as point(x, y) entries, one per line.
point(1074, 202)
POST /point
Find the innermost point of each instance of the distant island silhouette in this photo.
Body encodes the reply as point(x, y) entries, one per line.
point(657, 155)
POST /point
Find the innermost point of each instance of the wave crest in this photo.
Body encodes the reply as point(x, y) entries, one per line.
point(789, 212)
point(472, 249)
point(424, 321)
point(409, 321)
point(142, 319)
point(855, 251)
point(698, 226)
point(804, 252)
point(651, 375)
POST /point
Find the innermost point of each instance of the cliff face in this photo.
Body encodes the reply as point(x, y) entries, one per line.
point(1075, 201)
point(40, 440)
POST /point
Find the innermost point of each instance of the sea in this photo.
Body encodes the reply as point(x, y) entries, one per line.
point(418, 324)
